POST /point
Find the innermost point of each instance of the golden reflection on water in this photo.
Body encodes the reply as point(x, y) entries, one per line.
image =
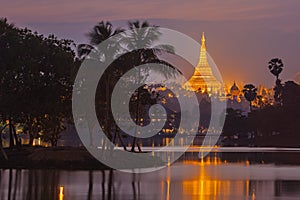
point(168, 189)
point(166, 192)
point(205, 187)
point(61, 193)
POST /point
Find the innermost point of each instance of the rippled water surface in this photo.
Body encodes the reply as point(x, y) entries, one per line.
point(210, 178)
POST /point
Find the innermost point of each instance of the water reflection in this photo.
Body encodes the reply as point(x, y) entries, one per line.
point(209, 178)
point(61, 193)
point(204, 186)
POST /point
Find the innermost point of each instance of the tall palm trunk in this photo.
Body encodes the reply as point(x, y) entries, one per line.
point(136, 121)
point(137, 110)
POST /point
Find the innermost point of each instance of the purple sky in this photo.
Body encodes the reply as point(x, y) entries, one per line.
point(242, 35)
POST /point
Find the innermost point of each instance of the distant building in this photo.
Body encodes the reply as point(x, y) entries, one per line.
point(235, 92)
point(236, 99)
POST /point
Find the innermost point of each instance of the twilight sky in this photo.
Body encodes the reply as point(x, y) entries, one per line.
point(242, 35)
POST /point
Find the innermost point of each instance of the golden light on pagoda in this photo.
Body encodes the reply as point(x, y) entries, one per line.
point(203, 79)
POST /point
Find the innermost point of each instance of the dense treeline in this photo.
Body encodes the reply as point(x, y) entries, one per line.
point(279, 125)
point(35, 83)
point(274, 123)
point(39, 71)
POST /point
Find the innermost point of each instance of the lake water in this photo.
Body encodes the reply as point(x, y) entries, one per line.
point(215, 177)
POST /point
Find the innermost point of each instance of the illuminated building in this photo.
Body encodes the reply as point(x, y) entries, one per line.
point(203, 79)
point(234, 92)
point(236, 99)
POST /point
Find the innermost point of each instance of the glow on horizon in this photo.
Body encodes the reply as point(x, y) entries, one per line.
point(243, 35)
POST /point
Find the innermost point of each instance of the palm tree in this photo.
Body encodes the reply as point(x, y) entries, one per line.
point(250, 93)
point(101, 32)
point(275, 66)
point(138, 45)
point(141, 37)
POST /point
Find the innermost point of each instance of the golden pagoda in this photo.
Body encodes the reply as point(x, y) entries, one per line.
point(203, 79)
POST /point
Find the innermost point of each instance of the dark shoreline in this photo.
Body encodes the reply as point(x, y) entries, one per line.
point(68, 158)
point(78, 158)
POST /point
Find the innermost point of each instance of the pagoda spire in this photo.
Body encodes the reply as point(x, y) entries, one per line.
point(203, 57)
point(203, 46)
point(203, 79)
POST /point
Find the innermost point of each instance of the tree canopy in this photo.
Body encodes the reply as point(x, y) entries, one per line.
point(35, 82)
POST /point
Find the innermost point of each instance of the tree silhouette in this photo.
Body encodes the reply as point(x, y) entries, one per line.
point(235, 124)
point(276, 66)
point(136, 47)
point(35, 80)
point(141, 37)
point(99, 33)
point(250, 92)
point(102, 31)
